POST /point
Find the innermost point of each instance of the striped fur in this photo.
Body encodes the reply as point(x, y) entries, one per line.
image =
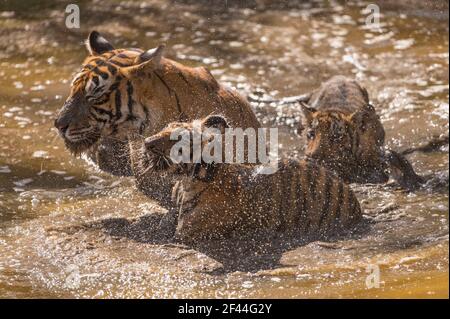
point(101, 100)
point(119, 92)
point(223, 200)
point(344, 133)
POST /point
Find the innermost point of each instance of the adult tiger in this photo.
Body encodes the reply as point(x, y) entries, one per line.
point(122, 90)
point(345, 134)
point(218, 200)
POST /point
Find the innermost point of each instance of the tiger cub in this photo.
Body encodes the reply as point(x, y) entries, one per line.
point(344, 133)
point(220, 200)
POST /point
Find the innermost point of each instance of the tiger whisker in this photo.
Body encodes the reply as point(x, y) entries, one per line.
point(146, 170)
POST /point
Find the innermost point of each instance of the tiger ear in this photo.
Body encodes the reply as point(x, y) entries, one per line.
point(360, 118)
point(217, 122)
point(152, 56)
point(150, 59)
point(308, 112)
point(96, 44)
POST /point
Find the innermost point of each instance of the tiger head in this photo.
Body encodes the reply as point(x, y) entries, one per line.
point(351, 145)
point(174, 148)
point(101, 102)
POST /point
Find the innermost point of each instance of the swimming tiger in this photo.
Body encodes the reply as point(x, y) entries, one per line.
point(118, 91)
point(220, 200)
point(344, 133)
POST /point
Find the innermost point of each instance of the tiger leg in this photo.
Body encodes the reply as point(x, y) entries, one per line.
point(151, 183)
point(190, 226)
point(168, 222)
point(204, 222)
point(402, 171)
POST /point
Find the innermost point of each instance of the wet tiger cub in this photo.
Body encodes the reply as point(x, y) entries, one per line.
point(219, 200)
point(345, 134)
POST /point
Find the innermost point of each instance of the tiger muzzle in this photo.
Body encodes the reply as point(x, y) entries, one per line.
point(74, 110)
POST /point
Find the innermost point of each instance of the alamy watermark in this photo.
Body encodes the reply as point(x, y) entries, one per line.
point(373, 277)
point(73, 16)
point(373, 16)
point(233, 145)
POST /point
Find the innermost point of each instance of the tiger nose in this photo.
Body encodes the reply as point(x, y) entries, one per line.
point(61, 126)
point(153, 144)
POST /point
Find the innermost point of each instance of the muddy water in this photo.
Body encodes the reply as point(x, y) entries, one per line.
point(68, 230)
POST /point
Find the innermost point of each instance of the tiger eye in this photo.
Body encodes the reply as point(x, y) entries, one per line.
point(311, 134)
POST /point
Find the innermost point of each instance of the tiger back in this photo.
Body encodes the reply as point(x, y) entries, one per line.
point(299, 200)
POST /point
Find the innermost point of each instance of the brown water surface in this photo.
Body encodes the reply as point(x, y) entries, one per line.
point(68, 230)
